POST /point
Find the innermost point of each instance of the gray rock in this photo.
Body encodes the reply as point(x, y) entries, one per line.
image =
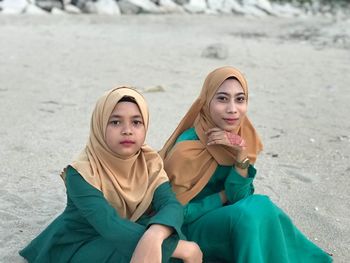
point(260, 4)
point(34, 10)
point(13, 6)
point(196, 6)
point(49, 4)
point(169, 6)
point(181, 2)
point(57, 11)
point(103, 7)
point(225, 6)
point(128, 8)
point(72, 9)
point(146, 6)
point(216, 51)
point(285, 10)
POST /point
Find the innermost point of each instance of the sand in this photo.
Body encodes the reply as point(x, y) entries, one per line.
point(53, 68)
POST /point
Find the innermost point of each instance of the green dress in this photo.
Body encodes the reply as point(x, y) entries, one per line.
point(90, 230)
point(249, 228)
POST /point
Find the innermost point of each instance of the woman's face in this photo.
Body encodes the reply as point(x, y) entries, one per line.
point(228, 106)
point(125, 133)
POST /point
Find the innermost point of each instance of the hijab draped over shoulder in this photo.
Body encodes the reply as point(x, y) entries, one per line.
point(190, 164)
point(127, 183)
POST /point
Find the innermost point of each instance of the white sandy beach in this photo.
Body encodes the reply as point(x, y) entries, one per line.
point(53, 68)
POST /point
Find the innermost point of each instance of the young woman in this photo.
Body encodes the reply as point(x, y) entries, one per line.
point(209, 159)
point(120, 207)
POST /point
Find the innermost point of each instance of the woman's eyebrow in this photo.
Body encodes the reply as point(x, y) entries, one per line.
point(222, 93)
point(228, 94)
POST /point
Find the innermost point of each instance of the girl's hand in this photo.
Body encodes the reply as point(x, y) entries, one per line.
point(188, 251)
point(149, 247)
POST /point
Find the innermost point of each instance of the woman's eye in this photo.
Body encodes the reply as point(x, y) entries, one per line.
point(240, 99)
point(222, 98)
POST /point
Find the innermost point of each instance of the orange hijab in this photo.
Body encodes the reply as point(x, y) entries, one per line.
point(127, 183)
point(190, 164)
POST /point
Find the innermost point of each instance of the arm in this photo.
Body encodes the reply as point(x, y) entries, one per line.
point(168, 217)
point(92, 205)
point(237, 186)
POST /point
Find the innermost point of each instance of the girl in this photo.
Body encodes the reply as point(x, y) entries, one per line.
point(209, 159)
point(120, 207)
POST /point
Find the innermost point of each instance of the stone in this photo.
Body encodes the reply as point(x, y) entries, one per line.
point(72, 9)
point(216, 51)
point(128, 8)
point(13, 6)
point(169, 6)
point(49, 4)
point(196, 6)
point(146, 6)
point(35, 10)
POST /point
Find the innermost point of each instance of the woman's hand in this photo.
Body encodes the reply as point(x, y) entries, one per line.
point(219, 136)
point(230, 139)
point(149, 247)
point(188, 251)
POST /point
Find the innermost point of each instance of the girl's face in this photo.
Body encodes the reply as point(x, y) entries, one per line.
point(125, 133)
point(228, 106)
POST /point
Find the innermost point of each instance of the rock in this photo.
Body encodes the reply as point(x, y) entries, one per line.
point(168, 6)
point(107, 7)
point(260, 4)
point(285, 10)
point(146, 6)
point(35, 10)
point(13, 6)
point(181, 2)
point(103, 7)
point(157, 88)
point(196, 6)
point(48, 5)
point(72, 9)
point(57, 11)
point(128, 8)
point(216, 51)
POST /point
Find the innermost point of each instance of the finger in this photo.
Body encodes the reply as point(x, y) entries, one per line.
point(218, 141)
point(211, 130)
point(217, 136)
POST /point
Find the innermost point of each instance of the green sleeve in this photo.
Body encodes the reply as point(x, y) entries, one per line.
point(92, 205)
point(238, 187)
point(196, 209)
point(168, 212)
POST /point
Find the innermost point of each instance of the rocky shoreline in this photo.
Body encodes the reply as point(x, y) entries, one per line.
point(255, 8)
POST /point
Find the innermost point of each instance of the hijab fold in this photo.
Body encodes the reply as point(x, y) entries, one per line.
point(190, 164)
point(127, 183)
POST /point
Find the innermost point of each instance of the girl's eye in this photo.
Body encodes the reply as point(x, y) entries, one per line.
point(114, 122)
point(137, 123)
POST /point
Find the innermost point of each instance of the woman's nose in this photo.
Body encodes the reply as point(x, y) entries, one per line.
point(231, 107)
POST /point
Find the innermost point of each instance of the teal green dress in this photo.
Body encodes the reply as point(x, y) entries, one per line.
point(249, 228)
point(90, 230)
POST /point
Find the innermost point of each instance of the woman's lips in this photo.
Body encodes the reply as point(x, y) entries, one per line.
point(231, 120)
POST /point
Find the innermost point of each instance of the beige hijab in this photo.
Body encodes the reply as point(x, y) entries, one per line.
point(190, 164)
point(127, 184)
